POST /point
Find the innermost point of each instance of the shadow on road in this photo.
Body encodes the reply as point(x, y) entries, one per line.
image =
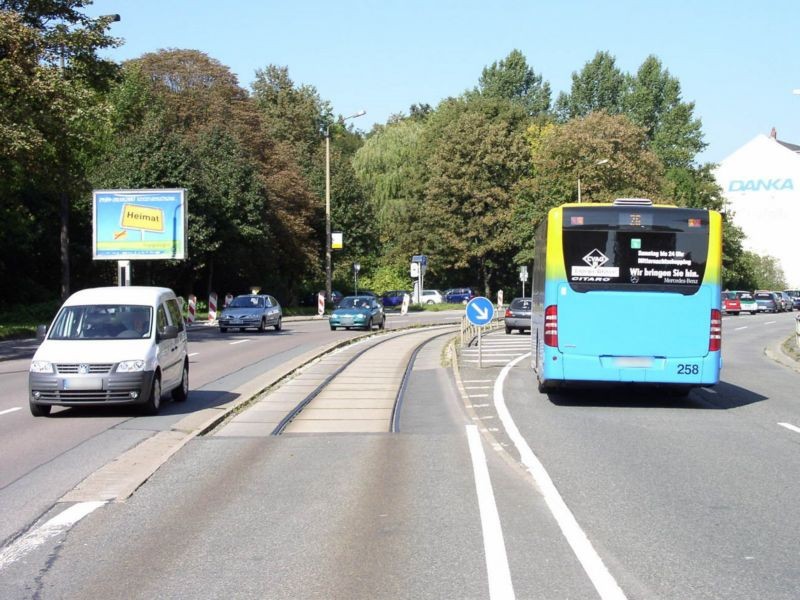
point(723, 396)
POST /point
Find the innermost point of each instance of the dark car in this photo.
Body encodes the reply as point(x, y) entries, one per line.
point(393, 298)
point(795, 296)
point(251, 311)
point(312, 299)
point(767, 301)
point(358, 311)
point(518, 315)
point(786, 301)
point(459, 295)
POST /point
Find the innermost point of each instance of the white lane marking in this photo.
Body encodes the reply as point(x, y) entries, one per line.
point(709, 390)
point(10, 410)
point(470, 387)
point(238, 342)
point(740, 328)
point(193, 354)
point(55, 526)
point(790, 427)
point(478, 381)
point(479, 395)
point(770, 322)
point(605, 584)
point(494, 546)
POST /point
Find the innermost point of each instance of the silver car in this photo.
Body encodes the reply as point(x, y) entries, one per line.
point(518, 315)
point(251, 311)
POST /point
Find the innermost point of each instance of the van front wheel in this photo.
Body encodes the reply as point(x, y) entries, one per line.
point(153, 404)
point(181, 393)
point(40, 410)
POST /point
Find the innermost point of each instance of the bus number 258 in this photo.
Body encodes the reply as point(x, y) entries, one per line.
point(687, 369)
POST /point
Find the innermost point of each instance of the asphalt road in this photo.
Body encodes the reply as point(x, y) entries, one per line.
point(690, 498)
point(42, 459)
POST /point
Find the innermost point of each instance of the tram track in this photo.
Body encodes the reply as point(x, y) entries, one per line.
point(351, 390)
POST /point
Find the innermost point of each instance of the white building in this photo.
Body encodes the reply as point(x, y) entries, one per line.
point(761, 185)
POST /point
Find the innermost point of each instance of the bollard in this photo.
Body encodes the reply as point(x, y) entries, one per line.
point(192, 307)
point(212, 306)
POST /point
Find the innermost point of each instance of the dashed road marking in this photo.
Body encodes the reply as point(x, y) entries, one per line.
point(10, 410)
point(790, 427)
point(238, 342)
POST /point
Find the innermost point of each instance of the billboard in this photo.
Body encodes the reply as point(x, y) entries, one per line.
point(139, 224)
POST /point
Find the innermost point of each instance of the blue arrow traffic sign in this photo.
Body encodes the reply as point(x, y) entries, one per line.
point(480, 311)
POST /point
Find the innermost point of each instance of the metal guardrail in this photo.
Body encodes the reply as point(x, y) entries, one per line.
point(469, 332)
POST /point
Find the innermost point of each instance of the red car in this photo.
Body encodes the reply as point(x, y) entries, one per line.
point(730, 303)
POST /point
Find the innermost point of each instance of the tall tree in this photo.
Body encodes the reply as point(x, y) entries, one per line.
point(52, 79)
point(654, 103)
point(512, 79)
point(607, 153)
point(600, 85)
point(477, 154)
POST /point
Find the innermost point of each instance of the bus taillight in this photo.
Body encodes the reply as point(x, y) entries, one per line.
point(551, 326)
point(715, 337)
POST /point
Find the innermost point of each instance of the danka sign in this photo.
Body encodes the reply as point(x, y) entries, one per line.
point(760, 185)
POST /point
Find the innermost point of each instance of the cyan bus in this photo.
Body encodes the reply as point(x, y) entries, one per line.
point(627, 292)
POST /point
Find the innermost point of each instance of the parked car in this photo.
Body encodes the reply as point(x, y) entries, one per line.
point(786, 301)
point(730, 303)
point(767, 301)
point(747, 302)
point(111, 346)
point(459, 295)
point(518, 315)
point(393, 298)
point(251, 311)
point(358, 311)
point(431, 297)
point(795, 295)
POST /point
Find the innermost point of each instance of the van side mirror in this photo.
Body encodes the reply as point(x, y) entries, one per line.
point(170, 332)
point(41, 332)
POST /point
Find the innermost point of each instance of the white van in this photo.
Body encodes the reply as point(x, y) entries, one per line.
point(109, 346)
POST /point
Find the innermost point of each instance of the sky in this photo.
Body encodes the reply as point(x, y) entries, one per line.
point(737, 60)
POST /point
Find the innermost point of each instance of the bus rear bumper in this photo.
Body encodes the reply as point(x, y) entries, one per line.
point(692, 372)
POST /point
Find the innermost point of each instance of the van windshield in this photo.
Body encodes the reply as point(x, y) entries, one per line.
point(102, 322)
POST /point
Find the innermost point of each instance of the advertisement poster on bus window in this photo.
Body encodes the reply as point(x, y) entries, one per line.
point(636, 249)
point(139, 224)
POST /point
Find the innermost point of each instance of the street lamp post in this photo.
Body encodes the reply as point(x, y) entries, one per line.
point(328, 283)
point(356, 269)
point(602, 161)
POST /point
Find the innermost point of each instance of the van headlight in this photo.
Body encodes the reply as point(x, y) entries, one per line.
point(130, 366)
point(41, 366)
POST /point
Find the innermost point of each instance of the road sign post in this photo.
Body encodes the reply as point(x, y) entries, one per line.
point(480, 312)
point(523, 277)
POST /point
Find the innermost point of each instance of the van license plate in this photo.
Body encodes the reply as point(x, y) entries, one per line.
point(84, 383)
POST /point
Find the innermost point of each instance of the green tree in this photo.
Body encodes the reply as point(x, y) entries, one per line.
point(654, 103)
point(768, 272)
point(512, 79)
point(600, 85)
point(607, 152)
point(477, 153)
point(51, 104)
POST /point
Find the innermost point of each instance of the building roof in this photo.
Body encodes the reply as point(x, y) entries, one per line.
point(792, 147)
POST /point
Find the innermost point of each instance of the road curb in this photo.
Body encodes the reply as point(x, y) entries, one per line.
point(775, 352)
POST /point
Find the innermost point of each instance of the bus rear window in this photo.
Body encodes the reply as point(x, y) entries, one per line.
point(635, 248)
